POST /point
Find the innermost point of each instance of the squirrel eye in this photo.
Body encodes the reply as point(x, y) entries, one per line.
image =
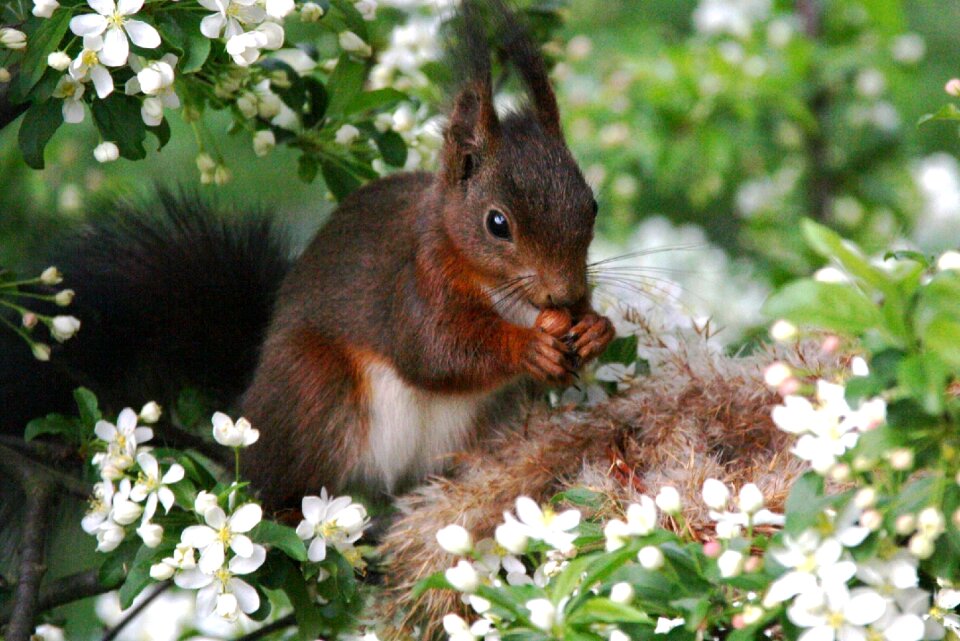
point(498, 225)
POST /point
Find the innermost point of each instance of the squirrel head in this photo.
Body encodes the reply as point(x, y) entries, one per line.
point(515, 205)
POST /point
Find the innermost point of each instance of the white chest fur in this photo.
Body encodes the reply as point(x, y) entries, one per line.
point(410, 429)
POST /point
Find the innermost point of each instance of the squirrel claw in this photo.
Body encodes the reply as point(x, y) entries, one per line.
point(546, 359)
point(594, 333)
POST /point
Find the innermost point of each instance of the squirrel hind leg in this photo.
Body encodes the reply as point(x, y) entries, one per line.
point(307, 400)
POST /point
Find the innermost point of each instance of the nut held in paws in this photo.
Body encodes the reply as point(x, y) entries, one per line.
point(555, 321)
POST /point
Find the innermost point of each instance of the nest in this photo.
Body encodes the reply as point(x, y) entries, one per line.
point(698, 415)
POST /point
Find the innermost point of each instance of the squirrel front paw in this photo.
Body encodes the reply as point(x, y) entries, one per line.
point(546, 357)
point(591, 335)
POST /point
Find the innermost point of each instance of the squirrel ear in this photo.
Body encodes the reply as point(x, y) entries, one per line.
point(473, 132)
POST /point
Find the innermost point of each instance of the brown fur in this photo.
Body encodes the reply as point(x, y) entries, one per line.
point(402, 272)
point(699, 415)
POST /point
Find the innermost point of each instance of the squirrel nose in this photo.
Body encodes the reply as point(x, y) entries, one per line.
point(565, 294)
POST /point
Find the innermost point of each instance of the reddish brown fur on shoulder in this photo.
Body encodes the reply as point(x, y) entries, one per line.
point(700, 415)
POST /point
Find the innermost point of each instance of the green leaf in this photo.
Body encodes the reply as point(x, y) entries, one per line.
point(113, 570)
point(88, 406)
point(307, 168)
point(568, 580)
point(281, 537)
point(803, 503)
point(924, 376)
point(118, 119)
point(52, 424)
point(39, 124)
point(830, 306)
point(603, 610)
point(392, 147)
point(352, 17)
point(139, 575)
point(831, 246)
point(45, 37)
point(196, 51)
point(580, 496)
point(316, 101)
point(915, 496)
point(942, 336)
point(376, 99)
point(946, 112)
point(309, 618)
point(621, 350)
point(340, 182)
point(435, 581)
point(345, 84)
point(162, 133)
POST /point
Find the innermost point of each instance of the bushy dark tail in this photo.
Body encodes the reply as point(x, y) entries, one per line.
point(170, 296)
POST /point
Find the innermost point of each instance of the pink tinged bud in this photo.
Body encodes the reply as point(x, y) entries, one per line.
point(738, 622)
point(953, 87)
point(29, 320)
point(712, 549)
point(905, 524)
point(753, 564)
point(788, 387)
point(776, 374)
point(830, 344)
point(872, 520)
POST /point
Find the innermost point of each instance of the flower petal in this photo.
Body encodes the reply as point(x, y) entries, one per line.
point(215, 517)
point(212, 558)
point(166, 498)
point(173, 475)
point(198, 536)
point(241, 565)
point(142, 34)
point(212, 25)
point(529, 512)
point(142, 435)
point(73, 111)
point(207, 601)
point(102, 81)
point(312, 508)
point(242, 545)
point(129, 7)
point(90, 24)
point(105, 431)
point(318, 550)
point(192, 579)
point(245, 517)
point(116, 50)
point(103, 7)
point(247, 597)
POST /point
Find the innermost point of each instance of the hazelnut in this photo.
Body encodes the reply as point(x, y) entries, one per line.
point(554, 321)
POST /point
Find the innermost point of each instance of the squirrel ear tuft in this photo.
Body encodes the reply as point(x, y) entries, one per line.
point(472, 133)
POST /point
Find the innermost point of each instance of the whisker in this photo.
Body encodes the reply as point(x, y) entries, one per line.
point(648, 252)
point(649, 291)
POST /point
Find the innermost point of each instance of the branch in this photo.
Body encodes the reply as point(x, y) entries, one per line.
point(132, 614)
point(68, 589)
point(280, 624)
point(38, 491)
point(14, 464)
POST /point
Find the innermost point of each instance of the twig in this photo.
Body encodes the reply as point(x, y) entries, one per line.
point(37, 490)
point(281, 623)
point(39, 450)
point(14, 464)
point(132, 614)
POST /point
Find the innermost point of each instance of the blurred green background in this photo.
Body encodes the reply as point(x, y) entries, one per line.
point(736, 116)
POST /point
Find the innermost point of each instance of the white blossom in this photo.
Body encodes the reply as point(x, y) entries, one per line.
point(230, 434)
point(221, 591)
point(279, 9)
point(12, 38)
point(150, 413)
point(311, 12)
point(730, 563)
point(668, 500)
point(544, 614)
point(114, 23)
point(367, 8)
point(810, 561)
point(229, 17)
point(106, 152)
point(58, 60)
point(221, 532)
point(183, 559)
point(836, 612)
point(63, 328)
point(351, 42)
point(455, 539)
point(622, 592)
point(650, 557)
point(71, 91)
point(641, 520)
point(263, 142)
point(87, 65)
point(153, 487)
point(750, 499)
point(122, 440)
point(336, 522)
point(100, 503)
point(622, 375)
point(546, 525)
point(150, 533)
point(512, 535)
point(463, 577)
point(715, 494)
point(346, 134)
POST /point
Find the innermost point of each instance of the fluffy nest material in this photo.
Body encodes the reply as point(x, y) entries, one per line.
point(699, 414)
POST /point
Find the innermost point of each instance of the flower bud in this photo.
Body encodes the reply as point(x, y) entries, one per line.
point(58, 60)
point(455, 539)
point(950, 259)
point(872, 520)
point(44, 8)
point(12, 39)
point(51, 276)
point(29, 320)
point(715, 494)
point(161, 571)
point(752, 614)
point(727, 529)
point(930, 522)
point(63, 328)
point(831, 343)
point(263, 142)
point(750, 499)
point(463, 577)
point(346, 134)
point(783, 331)
point(221, 175)
point(151, 533)
point(753, 564)
point(776, 373)
point(668, 500)
point(921, 546)
point(204, 501)
point(622, 593)
point(905, 524)
point(205, 163)
point(901, 458)
point(351, 42)
point(64, 297)
point(840, 472)
point(311, 12)
point(859, 367)
point(650, 557)
point(150, 412)
point(712, 549)
point(730, 563)
point(279, 9)
point(543, 614)
point(953, 87)
point(865, 498)
point(4, 75)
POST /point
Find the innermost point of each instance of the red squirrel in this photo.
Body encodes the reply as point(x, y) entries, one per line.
point(419, 314)
point(427, 297)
